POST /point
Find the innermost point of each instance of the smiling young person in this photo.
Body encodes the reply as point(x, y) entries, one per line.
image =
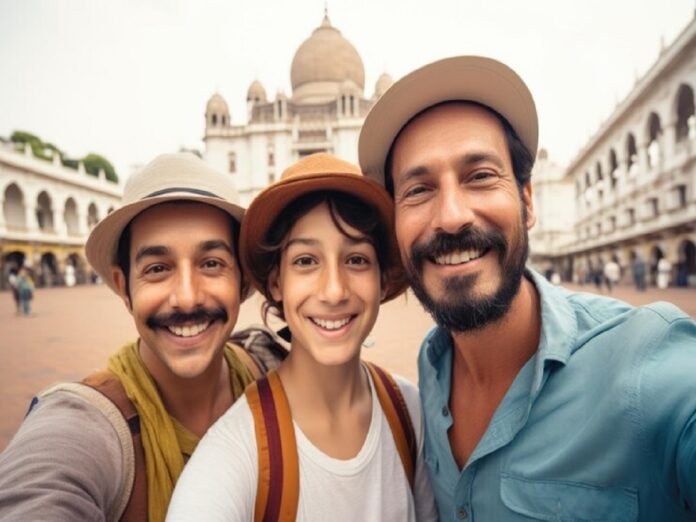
point(326, 435)
point(113, 446)
point(539, 403)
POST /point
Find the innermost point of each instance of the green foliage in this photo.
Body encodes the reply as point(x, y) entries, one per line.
point(95, 162)
point(45, 151)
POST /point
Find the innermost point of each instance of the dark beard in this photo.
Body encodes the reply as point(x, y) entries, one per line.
point(198, 315)
point(459, 311)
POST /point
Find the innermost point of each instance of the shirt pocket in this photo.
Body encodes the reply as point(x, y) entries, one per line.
point(561, 501)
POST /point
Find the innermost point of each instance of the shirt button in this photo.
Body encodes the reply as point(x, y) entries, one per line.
point(462, 514)
point(445, 411)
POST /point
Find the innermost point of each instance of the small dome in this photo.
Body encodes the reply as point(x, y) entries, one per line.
point(323, 62)
point(256, 92)
point(383, 83)
point(217, 105)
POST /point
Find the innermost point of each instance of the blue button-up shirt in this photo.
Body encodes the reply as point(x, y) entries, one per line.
point(600, 424)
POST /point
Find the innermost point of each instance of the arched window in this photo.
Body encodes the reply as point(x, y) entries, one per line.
point(686, 121)
point(70, 217)
point(631, 155)
point(613, 168)
point(13, 208)
point(92, 216)
point(213, 119)
point(598, 171)
point(44, 212)
point(654, 134)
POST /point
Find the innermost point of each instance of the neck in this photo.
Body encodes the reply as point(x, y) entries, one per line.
point(497, 352)
point(196, 402)
point(321, 389)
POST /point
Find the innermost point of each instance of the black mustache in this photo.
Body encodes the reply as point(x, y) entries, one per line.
point(198, 315)
point(444, 243)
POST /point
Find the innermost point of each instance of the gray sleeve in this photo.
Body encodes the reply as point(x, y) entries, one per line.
point(64, 463)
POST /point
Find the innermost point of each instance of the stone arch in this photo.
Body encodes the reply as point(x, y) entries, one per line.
point(92, 215)
point(613, 167)
point(48, 272)
point(14, 209)
point(70, 216)
point(599, 175)
point(80, 265)
point(653, 138)
point(631, 155)
point(44, 212)
point(13, 260)
point(684, 112)
point(686, 263)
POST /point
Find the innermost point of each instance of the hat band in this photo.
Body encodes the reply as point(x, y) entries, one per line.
point(197, 192)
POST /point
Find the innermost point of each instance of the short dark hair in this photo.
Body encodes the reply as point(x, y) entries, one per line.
point(344, 209)
point(124, 244)
point(522, 159)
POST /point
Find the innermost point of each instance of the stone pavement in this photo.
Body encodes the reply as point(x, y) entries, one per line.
point(74, 330)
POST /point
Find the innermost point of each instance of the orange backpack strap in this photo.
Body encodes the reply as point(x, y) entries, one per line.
point(278, 487)
point(249, 361)
point(395, 409)
point(108, 385)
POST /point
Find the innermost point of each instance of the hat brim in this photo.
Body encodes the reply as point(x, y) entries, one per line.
point(102, 244)
point(270, 203)
point(462, 78)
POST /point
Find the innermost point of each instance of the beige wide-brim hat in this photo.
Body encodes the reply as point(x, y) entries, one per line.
point(460, 78)
point(169, 177)
point(317, 172)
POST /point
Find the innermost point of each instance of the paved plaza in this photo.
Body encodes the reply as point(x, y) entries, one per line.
point(73, 331)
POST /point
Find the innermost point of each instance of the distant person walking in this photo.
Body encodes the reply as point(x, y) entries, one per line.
point(664, 273)
point(13, 279)
point(638, 269)
point(612, 273)
point(25, 288)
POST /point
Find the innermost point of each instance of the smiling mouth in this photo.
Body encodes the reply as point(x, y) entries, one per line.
point(188, 330)
point(329, 324)
point(459, 257)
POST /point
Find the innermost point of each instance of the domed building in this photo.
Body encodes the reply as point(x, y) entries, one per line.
point(324, 113)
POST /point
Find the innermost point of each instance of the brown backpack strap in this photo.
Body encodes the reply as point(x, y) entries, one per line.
point(110, 386)
point(278, 488)
point(249, 361)
point(395, 409)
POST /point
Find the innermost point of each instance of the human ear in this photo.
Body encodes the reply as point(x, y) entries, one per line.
point(121, 285)
point(528, 202)
point(274, 285)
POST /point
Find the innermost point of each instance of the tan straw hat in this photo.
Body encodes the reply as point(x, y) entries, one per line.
point(463, 78)
point(169, 177)
point(317, 172)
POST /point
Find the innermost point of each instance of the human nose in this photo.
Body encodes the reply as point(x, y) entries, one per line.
point(453, 210)
point(186, 293)
point(334, 287)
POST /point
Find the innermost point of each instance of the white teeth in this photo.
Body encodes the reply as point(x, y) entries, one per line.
point(331, 325)
point(458, 258)
point(188, 331)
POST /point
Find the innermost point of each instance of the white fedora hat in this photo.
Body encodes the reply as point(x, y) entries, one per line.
point(460, 78)
point(169, 177)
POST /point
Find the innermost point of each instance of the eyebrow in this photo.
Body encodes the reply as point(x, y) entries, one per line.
point(160, 251)
point(317, 243)
point(465, 161)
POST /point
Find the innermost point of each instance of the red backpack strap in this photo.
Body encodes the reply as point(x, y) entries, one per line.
point(108, 385)
point(395, 409)
point(278, 488)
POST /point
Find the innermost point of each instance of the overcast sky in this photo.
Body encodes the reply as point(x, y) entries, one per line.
point(129, 79)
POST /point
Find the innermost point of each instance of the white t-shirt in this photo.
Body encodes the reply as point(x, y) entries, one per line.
point(219, 482)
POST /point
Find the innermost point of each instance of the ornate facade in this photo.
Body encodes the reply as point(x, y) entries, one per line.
point(47, 213)
point(324, 113)
point(634, 182)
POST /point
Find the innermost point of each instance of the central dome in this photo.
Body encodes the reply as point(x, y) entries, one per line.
point(323, 63)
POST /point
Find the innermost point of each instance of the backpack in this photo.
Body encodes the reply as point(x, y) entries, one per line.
point(278, 488)
point(257, 347)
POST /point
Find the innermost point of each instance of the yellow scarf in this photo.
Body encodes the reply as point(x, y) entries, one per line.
point(167, 443)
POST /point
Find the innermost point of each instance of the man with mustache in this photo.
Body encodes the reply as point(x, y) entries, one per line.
point(170, 252)
point(539, 403)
